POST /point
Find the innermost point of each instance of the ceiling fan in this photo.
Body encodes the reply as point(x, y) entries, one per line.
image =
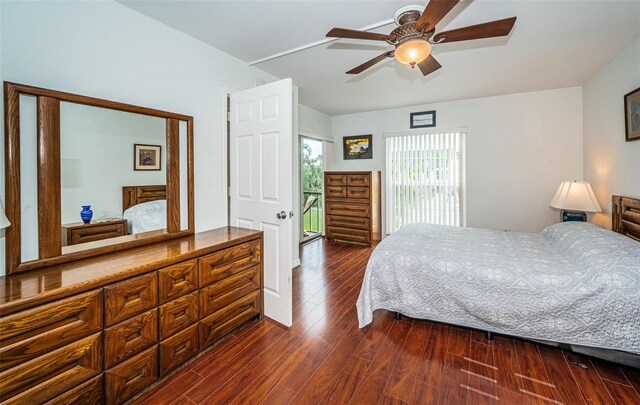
point(415, 34)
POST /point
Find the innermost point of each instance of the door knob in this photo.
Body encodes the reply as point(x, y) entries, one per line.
point(281, 215)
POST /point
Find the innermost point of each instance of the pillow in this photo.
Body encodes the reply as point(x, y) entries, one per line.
point(590, 243)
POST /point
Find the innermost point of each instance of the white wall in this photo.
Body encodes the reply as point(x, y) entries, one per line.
point(519, 148)
point(611, 165)
point(98, 141)
point(313, 121)
point(106, 50)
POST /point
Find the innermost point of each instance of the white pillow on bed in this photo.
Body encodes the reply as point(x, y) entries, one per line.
point(148, 216)
point(590, 243)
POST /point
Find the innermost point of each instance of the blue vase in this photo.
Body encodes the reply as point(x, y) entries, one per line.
point(86, 214)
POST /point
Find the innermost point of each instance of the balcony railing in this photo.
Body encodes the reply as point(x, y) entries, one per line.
point(313, 214)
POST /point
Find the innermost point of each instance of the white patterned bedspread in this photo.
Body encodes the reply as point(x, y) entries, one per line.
point(573, 283)
point(147, 216)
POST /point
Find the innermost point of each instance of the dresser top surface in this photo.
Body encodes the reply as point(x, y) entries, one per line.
point(23, 290)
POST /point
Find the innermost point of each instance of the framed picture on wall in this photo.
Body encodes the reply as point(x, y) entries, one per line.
point(147, 157)
point(424, 119)
point(632, 115)
point(357, 147)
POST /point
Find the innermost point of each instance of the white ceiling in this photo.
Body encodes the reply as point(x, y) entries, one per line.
point(553, 44)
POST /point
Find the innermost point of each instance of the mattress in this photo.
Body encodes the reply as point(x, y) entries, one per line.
point(574, 283)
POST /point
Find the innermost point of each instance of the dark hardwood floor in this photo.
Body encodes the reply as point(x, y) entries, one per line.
point(326, 359)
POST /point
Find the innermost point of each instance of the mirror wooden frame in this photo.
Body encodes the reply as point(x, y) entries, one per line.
point(48, 177)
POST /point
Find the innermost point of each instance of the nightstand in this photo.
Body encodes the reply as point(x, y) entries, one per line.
point(78, 232)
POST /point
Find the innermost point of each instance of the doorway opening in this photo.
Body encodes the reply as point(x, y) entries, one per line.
point(311, 167)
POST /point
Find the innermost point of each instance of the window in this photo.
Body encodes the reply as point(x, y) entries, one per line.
point(425, 178)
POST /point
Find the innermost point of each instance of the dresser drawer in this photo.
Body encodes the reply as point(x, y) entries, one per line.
point(348, 222)
point(358, 180)
point(130, 337)
point(52, 374)
point(34, 332)
point(89, 393)
point(331, 179)
point(351, 235)
point(177, 280)
point(358, 192)
point(228, 262)
point(346, 209)
point(131, 376)
point(131, 297)
point(178, 349)
point(91, 233)
point(178, 314)
point(225, 292)
point(335, 191)
point(228, 319)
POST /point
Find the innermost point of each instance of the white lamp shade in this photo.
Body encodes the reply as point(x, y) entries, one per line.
point(576, 196)
point(4, 222)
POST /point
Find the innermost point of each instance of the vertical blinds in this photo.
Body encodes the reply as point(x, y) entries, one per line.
point(425, 174)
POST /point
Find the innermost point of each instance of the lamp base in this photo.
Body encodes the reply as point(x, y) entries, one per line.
point(568, 216)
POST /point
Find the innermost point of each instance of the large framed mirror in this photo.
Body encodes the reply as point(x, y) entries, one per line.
point(86, 176)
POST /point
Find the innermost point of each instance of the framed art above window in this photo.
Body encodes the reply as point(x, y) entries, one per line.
point(424, 119)
point(632, 115)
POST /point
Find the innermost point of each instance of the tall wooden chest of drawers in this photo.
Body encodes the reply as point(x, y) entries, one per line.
point(352, 206)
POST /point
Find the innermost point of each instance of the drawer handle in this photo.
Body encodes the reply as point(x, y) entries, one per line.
point(132, 336)
point(179, 279)
point(181, 348)
point(136, 377)
point(132, 297)
point(180, 314)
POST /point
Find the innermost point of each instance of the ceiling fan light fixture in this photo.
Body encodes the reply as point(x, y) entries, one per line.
point(412, 51)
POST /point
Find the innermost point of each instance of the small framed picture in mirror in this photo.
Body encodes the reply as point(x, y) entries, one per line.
point(146, 157)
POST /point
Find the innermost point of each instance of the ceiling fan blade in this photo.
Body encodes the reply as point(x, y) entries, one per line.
point(347, 33)
point(370, 63)
point(434, 12)
point(498, 28)
point(429, 65)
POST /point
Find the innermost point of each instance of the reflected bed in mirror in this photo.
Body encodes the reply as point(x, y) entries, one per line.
point(87, 176)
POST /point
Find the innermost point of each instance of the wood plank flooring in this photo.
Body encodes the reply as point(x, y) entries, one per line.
point(326, 359)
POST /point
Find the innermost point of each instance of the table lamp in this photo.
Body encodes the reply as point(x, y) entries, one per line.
point(575, 199)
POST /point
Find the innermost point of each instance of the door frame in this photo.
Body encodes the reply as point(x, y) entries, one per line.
point(226, 129)
point(311, 135)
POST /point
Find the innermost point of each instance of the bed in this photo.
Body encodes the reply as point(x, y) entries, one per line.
point(145, 207)
point(573, 283)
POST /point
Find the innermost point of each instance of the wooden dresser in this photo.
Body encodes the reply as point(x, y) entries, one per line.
point(103, 329)
point(352, 206)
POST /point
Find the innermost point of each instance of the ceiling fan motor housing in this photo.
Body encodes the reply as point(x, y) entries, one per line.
point(406, 18)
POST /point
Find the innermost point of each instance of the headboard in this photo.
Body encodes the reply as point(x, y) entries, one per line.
point(133, 195)
point(626, 216)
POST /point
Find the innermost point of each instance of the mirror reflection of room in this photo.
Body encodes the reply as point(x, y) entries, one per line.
point(103, 154)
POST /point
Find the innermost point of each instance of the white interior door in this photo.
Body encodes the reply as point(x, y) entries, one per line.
point(261, 183)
